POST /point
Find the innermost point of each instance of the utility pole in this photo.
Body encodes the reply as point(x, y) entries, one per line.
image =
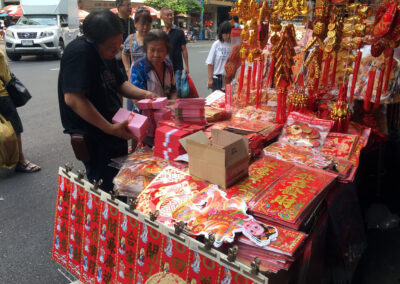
point(201, 20)
point(2, 4)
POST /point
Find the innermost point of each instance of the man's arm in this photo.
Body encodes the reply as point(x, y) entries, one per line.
point(132, 92)
point(85, 109)
point(185, 58)
point(210, 76)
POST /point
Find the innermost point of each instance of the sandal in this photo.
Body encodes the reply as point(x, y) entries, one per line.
point(27, 167)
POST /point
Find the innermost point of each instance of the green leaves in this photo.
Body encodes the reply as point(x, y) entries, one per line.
point(178, 6)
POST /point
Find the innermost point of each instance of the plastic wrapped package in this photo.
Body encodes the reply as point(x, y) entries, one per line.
point(137, 172)
point(303, 130)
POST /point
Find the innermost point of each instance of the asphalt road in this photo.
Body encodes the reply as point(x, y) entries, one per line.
point(27, 201)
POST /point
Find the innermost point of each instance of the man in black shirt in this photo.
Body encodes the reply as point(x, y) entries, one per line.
point(124, 9)
point(88, 83)
point(178, 46)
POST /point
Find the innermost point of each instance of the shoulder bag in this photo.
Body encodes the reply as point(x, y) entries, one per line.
point(18, 93)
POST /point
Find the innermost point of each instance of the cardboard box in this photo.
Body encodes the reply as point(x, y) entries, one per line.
point(223, 161)
point(137, 125)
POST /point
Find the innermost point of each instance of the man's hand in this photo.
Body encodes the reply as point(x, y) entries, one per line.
point(120, 130)
point(210, 83)
point(187, 70)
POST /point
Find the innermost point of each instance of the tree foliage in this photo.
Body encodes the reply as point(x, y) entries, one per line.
point(178, 6)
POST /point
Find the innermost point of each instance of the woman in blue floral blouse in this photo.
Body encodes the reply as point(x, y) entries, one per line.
point(154, 72)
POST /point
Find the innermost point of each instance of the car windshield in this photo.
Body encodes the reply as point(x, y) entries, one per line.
point(37, 20)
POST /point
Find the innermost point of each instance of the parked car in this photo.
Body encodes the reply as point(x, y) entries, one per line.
point(43, 29)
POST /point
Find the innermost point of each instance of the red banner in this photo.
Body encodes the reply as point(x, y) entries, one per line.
point(127, 248)
point(77, 213)
point(61, 226)
point(108, 243)
point(90, 239)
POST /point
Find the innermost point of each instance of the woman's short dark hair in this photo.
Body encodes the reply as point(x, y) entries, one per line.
point(100, 25)
point(156, 34)
point(142, 14)
point(224, 28)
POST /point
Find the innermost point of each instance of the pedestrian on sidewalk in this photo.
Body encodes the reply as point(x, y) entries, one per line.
point(178, 46)
point(218, 56)
point(9, 112)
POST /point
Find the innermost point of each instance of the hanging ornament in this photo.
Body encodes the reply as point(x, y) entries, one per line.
point(340, 112)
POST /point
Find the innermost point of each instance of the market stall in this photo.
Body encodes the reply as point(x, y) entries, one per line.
point(253, 184)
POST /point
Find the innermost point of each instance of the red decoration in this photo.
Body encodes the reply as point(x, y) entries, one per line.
point(281, 107)
point(379, 88)
point(270, 73)
point(327, 65)
point(355, 74)
point(90, 237)
point(259, 83)
point(241, 77)
point(388, 69)
point(370, 86)
point(253, 76)
point(61, 226)
point(248, 85)
point(333, 74)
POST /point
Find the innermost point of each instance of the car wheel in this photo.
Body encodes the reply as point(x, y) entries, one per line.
point(60, 51)
point(14, 57)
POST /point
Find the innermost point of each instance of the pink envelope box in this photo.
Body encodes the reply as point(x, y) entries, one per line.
point(158, 103)
point(137, 125)
point(154, 117)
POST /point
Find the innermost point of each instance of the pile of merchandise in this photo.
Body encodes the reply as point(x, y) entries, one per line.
point(291, 92)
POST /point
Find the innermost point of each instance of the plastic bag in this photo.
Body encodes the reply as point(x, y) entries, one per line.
point(192, 88)
point(9, 152)
point(184, 86)
point(303, 130)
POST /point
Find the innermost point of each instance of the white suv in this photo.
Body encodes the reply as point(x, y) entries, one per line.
point(39, 35)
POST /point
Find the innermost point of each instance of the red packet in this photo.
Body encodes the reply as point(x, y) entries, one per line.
point(261, 174)
point(339, 144)
point(90, 237)
point(61, 224)
point(108, 245)
point(202, 269)
point(175, 258)
point(127, 248)
point(77, 215)
point(148, 257)
point(287, 199)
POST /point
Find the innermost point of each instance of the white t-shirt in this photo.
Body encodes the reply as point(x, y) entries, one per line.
point(218, 56)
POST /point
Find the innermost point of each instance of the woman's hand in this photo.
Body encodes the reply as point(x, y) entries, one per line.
point(120, 130)
point(150, 95)
point(210, 83)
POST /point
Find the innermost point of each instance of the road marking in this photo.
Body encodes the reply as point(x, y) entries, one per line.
point(55, 69)
point(203, 51)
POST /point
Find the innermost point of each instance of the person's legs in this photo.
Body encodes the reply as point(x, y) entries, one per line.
point(178, 76)
point(129, 104)
point(21, 158)
point(23, 164)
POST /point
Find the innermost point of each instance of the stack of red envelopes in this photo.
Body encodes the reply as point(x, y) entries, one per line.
point(279, 254)
point(293, 198)
point(166, 142)
point(155, 110)
point(191, 110)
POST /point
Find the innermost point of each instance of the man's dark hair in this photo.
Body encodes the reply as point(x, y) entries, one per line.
point(144, 15)
point(156, 34)
point(236, 19)
point(100, 25)
point(119, 2)
point(224, 28)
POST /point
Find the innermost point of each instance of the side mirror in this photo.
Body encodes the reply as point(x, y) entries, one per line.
point(64, 25)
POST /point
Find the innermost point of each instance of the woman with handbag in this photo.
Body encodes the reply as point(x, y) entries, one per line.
point(9, 111)
point(133, 45)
